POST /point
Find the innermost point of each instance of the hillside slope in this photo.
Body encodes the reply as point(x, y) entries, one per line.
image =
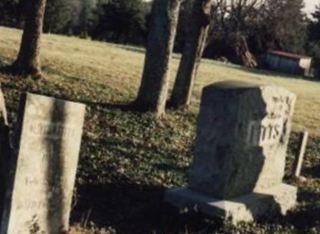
point(127, 158)
point(111, 73)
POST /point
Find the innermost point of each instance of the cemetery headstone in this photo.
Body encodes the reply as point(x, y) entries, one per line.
point(239, 163)
point(43, 170)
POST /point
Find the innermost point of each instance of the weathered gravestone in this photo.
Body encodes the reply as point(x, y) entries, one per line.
point(39, 196)
point(242, 137)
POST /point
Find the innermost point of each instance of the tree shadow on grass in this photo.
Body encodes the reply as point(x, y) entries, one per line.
point(112, 106)
point(305, 195)
point(302, 217)
point(169, 167)
point(124, 206)
point(264, 72)
point(132, 205)
point(306, 219)
point(140, 208)
point(313, 172)
point(307, 213)
point(131, 208)
point(2, 64)
point(131, 106)
point(5, 68)
point(130, 48)
point(128, 204)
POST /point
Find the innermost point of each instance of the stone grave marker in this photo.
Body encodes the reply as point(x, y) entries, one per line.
point(242, 137)
point(42, 177)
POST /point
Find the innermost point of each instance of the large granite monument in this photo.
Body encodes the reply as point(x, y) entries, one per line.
point(43, 170)
point(239, 163)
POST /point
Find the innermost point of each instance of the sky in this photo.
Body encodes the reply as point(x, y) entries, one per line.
point(310, 5)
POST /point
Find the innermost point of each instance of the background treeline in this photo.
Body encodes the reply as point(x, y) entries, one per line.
point(240, 32)
point(122, 21)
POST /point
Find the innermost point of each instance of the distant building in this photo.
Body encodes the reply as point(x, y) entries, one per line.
point(288, 63)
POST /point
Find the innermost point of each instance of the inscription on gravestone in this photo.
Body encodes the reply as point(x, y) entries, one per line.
point(43, 174)
point(267, 132)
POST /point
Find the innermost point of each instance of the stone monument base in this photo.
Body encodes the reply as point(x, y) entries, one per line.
point(247, 208)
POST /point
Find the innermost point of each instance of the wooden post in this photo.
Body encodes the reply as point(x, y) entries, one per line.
point(299, 157)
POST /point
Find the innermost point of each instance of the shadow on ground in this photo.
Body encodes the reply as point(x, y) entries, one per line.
point(132, 202)
point(312, 171)
point(272, 73)
point(307, 215)
point(131, 208)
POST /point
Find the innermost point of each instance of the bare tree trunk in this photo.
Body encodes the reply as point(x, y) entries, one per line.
point(155, 80)
point(28, 60)
point(195, 44)
point(242, 51)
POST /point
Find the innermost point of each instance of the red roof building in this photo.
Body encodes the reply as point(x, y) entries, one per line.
point(288, 62)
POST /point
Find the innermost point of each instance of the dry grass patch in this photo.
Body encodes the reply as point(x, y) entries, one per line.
point(119, 68)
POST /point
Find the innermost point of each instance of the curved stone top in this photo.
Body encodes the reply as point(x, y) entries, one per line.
point(234, 84)
point(241, 86)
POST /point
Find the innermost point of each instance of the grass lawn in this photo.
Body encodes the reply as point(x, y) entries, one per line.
point(128, 159)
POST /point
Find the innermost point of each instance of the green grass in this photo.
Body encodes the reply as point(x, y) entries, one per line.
point(111, 73)
point(128, 158)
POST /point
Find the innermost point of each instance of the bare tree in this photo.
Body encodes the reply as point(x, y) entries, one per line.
point(238, 14)
point(204, 14)
point(28, 60)
point(153, 91)
point(199, 24)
